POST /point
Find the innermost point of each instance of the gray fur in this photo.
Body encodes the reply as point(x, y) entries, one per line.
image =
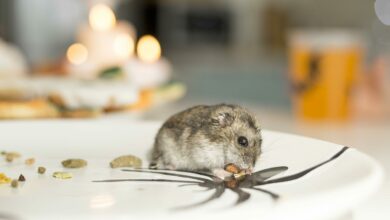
point(205, 138)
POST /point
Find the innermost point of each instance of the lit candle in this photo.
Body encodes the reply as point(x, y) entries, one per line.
point(77, 53)
point(78, 65)
point(101, 17)
point(150, 69)
point(109, 42)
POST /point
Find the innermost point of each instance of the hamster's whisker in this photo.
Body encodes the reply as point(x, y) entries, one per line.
point(273, 141)
point(265, 155)
point(267, 150)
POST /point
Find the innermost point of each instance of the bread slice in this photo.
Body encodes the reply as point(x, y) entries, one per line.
point(27, 109)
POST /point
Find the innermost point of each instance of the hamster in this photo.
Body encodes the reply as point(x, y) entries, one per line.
point(207, 138)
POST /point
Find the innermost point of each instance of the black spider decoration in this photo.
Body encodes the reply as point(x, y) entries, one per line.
point(209, 182)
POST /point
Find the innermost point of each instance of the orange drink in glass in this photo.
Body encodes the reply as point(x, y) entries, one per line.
point(323, 67)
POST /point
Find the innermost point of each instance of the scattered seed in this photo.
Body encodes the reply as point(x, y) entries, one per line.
point(13, 154)
point(21, 178)
point(238, 174)
point(62, 175)
point(232, 168)
point(74, 163)
point(41, 170)
point(14, 183)
point(29, 161)
point(232, 184)
point(4, 178)
point(9, 157)
point(126, 161)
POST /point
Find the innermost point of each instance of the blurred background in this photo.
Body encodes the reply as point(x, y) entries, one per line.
point(311, 67)
point(223, 51)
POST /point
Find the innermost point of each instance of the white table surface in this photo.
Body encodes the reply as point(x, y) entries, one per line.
point(35, 140)
point(369, 136)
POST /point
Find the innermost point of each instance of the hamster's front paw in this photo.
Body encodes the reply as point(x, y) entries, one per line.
point(153, 166)
point(222, 174)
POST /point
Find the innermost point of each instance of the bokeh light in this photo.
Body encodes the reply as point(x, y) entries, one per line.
point(148, 49)
point(101, 17)
point(77, 53)
point(124, 45)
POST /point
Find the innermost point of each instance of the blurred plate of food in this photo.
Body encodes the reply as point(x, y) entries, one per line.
point(59, 97)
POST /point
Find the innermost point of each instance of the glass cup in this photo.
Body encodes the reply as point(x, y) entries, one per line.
point(323, 68)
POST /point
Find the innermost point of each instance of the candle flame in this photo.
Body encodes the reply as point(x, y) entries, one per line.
point(101, 17)
point(124, 45)
point(148, 49)
point(77, 54)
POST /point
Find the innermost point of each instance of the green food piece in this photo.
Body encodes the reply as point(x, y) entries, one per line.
point(74, 163)
point(62, 175)
point(126, 161)
point(111, 73)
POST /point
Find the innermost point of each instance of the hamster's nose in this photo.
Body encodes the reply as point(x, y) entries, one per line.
point(248, 170)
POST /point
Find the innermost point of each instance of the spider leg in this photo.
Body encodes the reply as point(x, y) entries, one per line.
point(304, 172)
point(187, 184)
point(167, 174)
point(145, 180)
point(219, 190)
point(273, 195)
point(205, 188)
point(259, 177)
point(242, 195)
point(199, 172)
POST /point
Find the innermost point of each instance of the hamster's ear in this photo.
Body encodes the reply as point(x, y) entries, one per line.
point(222, 119)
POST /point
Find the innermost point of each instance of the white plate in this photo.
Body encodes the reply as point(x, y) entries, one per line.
point(327, 191)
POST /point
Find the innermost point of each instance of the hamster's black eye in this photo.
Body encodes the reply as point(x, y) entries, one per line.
point(242, 141)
